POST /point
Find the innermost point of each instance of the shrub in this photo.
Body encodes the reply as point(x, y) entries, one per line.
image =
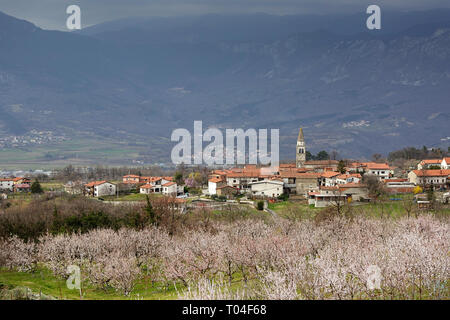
point(260, 205)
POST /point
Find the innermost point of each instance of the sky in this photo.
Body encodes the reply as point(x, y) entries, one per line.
point(51, 14)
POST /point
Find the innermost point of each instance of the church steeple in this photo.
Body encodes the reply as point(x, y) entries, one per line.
point(300, 153)
point(300, 135)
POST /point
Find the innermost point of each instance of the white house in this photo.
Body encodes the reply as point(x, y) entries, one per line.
point(267, 188)
point(426, 164)
point(147, 188)
point(380, 170)
point(213, 184)
point(7, 184)
point(328, 178)
point(445, 164)
point(326, 196)
point(348, 178)
point(100, 188)
point(169, 188)
point(436, 177)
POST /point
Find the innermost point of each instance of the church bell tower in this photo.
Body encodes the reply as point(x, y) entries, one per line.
point(300, 154)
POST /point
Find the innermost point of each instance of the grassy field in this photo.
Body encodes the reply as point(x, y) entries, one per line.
point(43, 281)
point(383, 207)
point(131, 197)
point(82, 151)
point(286, 208)
point(52, 186)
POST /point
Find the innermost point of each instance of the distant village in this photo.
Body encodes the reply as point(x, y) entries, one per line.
point(320, 182)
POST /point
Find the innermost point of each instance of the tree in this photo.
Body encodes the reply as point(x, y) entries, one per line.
point(417, 190)
point(341, 167)
point(323, 155)
point(376, 157)
point(374, 186)
point(150, 211)
point(179, 178)
point(309, 156)
point(430, 193)
point(36, 187)
point(260, 205)
point(334, 155)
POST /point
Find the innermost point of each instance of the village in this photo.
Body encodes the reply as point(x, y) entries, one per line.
point(320, 183)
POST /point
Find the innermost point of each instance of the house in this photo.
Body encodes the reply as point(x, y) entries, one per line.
point(7, 185)
point(22, 187)
point(321, 165)
point(305, 182)
point(430, 164)
point(348, 178)
point(100, 189)
point(242, 178)
point(214, 183)
point(354, 191)
point(147, 188)
point(396, 186)
point(131, 179)
point(219, 174)
point(326, 196)
point(380, 170)
point(73, 187)
point(227, 191)
point(445, 163)
point(328, 178)
point(169, 188)
point(267, 188)
point(437, 178)
point(289, 177)
point(21, 180)
point(356, 167)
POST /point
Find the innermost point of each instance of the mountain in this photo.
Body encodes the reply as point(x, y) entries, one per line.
point(114, 92)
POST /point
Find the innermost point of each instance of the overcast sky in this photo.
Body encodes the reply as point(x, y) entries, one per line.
point(51, 14)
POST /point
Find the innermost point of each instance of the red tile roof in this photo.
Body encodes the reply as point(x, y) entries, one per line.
point(223, 187)
point(431, 161)
point(95, 183)
point(308, 175)
point(329, 174)
point(351, 185)
point(321, 162)
point(377, 166)
point(147, 186)
point(432, 173)
point(22, 185)
point(215, 180)
point(168, 184)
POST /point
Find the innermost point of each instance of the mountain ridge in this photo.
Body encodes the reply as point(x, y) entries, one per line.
point(354, 93)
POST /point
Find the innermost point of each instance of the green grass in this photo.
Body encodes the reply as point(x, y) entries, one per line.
point(43, 281)
point(381, 208)
point(130, 197)
point(52, 186)
point(285, 208)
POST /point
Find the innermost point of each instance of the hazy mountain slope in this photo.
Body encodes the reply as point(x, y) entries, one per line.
point(137, 79)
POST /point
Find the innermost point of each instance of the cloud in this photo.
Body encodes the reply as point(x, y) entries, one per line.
point(51, 14)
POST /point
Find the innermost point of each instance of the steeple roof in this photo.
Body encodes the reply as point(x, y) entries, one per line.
point(300, 135)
